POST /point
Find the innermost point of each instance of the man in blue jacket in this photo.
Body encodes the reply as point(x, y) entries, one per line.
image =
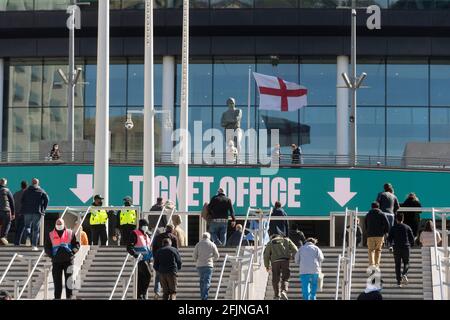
point(34, 204)
point(167, 263)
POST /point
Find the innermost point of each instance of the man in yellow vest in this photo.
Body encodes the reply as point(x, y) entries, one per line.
point(126, 221)
point(98, 219)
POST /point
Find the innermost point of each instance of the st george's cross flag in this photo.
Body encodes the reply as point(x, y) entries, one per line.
point(275, 94)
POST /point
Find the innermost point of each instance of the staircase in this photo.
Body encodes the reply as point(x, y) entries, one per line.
point(102, 266)
point(19, 270)
point(413, 291)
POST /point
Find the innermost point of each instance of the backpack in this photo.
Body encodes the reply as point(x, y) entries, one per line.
point(206, 213)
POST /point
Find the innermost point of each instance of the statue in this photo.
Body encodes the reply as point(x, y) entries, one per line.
point(231, 122)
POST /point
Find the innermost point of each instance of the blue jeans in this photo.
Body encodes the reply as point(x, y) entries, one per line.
point(20, 225)
point(205, 274)
point(218, 231)
point(31, 221)
point(309, 286)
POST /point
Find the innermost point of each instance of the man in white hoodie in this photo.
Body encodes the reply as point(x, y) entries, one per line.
point(205, 253)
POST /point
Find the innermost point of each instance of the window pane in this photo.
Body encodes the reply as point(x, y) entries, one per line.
point(52, 4)
point(287, 69)
point(405, 125)
point(16, 5)
point(25, 84)
point(24, 129)
point(322, 122)
point(231, 80)
point(117, 117)
point(375, 93)
point(54, 89)
point(231, 4)
point(136, 84)
point(407, 83)
point(91, 90)
point(320, 79)
point(440, 124)
point(54, 124)
point(276, 3)
point(440, 83)
point(371, 135)
point(200, 83)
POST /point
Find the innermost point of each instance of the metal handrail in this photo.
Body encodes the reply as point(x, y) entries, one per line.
point(119, 276)
point(250, 268)
point(436, 255)
point(131, 276)
point(31, 274)
point(266, 230)
point(8, 267)
point(221, 276)
point(82, 220)
point(243, 232)
point(353, 252)
point(336, 297)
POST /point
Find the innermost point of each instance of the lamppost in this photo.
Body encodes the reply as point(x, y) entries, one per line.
point(353, 83)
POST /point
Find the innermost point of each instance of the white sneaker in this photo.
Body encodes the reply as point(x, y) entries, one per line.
point(4, 241)
point(284, 295)
point(404, 280)
point(35, 249)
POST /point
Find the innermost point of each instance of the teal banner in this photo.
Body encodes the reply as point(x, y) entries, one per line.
point(302, 191)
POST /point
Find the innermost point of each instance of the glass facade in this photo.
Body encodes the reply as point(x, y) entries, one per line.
point(25, 5)
point(404, 100)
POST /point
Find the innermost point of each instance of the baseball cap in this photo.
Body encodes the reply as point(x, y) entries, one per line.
point(98, 196)
point(127, 198)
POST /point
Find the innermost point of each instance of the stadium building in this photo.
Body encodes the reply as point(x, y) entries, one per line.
point(403, 108)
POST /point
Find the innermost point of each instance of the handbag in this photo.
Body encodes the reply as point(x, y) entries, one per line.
point(320, 281)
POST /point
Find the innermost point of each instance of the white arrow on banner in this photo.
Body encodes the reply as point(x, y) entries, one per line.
point(342, 194)
point(84, 189)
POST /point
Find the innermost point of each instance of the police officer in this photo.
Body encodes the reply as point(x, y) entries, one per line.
point(61, 246)
point(98, 219)
point(140, 244)
point(127, 221)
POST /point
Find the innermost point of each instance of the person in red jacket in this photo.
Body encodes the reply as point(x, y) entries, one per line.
point(61, 246)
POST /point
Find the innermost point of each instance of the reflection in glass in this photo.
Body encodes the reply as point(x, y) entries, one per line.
point(200, 83)
point(320, 79)
point(276, 3)
point(25, 85)
point(52, 4)
point(322, 121)
point(231, 4)
point(407, 83)
point(373, 92)
point(405, 125)
point(231, 80)
point(440, 83)
point(16, 5)
point(24, 129)
point(371, 135)
point(440, 124)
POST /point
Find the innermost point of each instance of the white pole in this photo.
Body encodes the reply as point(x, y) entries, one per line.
point(168, 106)
point(71, 89)
point(342, 127)
point(101, 163)
point(249, 98)
point(149, 115)
point(184, 113)
point(353, 126)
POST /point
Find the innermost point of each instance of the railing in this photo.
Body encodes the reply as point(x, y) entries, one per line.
point(133, 275)
point(119, 276)
point(243, 232)
point(220, 159)
point(221, 276)
point(342, 257)
point(227, 4)
point(247, 279)
point(8, 267)
point(436, 256)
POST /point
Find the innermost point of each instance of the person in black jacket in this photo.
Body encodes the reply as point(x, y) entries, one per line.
point(33, 206)
point(296, 154)
point(153, 219)
point(236, 236)
point(279, 227)
point(61, 246)
point(297, 236)
point(139, 244)
point(168, 263)
point(412, 219)
point(220, 207)
point(401, 237)
point(377, 226)
point(6, 211)
point(358, 234)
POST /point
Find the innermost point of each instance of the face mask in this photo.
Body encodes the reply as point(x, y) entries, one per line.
point(59, 227)
point(144, 229)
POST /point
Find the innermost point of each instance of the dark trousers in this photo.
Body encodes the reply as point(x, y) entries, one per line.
point(20, 225)
point(5, 221)
point(169, 285)
point(401, 255)
point(98, 231)
point(57, 273)
point(125, 233)
point(280, 270)
point(144, 278)
point(31, 222)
